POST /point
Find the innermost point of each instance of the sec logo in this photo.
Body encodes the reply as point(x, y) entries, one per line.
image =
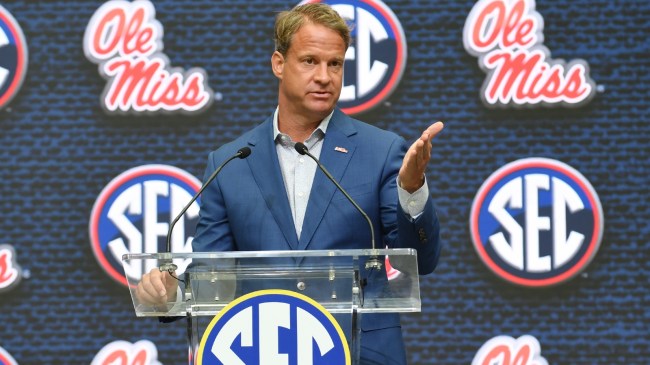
point(277, 327)
point(375, 61)
point(13, 57)
point(10, 272)
point(5, 358)
point(132, 215)
point(536, 222)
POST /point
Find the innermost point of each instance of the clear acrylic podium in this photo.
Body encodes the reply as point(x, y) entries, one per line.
point(337, 280)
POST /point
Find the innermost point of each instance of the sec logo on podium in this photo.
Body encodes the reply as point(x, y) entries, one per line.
point(273, 327)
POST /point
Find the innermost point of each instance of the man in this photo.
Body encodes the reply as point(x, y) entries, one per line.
point(277, 200)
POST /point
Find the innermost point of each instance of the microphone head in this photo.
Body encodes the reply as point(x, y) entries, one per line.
point(301, 148)
point(244, 152)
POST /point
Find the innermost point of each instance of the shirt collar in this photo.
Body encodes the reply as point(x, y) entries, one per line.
point(316, 135)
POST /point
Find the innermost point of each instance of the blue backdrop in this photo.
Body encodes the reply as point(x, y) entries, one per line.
point(59, 149)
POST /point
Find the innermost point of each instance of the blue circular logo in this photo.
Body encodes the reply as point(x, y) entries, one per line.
point(132, 215)
point(375, 61)
point(278, 326)
point(13, 57)
point(5, 358)
point(536, 222)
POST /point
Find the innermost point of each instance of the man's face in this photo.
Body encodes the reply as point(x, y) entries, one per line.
point(311, 73)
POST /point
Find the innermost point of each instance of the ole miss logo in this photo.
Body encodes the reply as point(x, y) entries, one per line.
point(505, 350)
point(13, 57)
point(132, 215)
point(125, 40)
point(536, 222)
point(375, 61)
point(143, 352)
point(10, 272)
point(507, 36)
point(273, 327)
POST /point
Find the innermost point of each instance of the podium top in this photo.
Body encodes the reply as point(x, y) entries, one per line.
point(359, 253)
point(336, 279)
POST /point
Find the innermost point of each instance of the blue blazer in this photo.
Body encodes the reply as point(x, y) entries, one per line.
point(246, 208)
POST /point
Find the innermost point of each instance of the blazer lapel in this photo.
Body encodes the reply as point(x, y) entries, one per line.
point(336, 162)
point(265, 168)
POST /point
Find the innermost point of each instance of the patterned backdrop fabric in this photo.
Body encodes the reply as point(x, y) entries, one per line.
point(59, 149)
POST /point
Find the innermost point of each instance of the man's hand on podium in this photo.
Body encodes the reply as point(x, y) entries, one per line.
point(156, 288)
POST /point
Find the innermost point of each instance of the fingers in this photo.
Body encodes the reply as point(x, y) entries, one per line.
point(426, 138)
point(153, 287)
point(424, 153)
point(418, 154)
point(433, 130)
point(417, 157)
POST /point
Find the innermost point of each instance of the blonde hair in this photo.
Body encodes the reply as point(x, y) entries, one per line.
point(287, 23)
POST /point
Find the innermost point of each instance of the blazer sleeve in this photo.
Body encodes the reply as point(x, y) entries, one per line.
point(399, 229)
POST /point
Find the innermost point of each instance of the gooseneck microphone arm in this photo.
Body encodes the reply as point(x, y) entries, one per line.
point(241, 153)
point(373, 262)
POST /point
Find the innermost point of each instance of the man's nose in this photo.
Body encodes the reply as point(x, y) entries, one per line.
point(322, 74)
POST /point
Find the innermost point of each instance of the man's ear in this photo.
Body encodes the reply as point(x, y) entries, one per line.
point(277, 64)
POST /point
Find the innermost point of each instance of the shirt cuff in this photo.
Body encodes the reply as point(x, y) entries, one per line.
point(413, 204)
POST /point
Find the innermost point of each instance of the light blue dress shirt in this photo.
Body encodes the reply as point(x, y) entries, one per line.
point(298, 172)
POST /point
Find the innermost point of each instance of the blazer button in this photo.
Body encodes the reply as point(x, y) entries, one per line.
point(423, 235)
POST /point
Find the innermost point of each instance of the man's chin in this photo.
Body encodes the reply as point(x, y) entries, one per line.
point(324, 108)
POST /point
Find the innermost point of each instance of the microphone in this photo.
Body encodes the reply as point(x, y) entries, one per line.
point(373, 262)
point(170, 266)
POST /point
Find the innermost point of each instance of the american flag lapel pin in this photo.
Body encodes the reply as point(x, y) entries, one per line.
point(340, 149)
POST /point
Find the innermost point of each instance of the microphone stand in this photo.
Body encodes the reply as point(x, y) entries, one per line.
point(373, 261)
point(169, 266)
